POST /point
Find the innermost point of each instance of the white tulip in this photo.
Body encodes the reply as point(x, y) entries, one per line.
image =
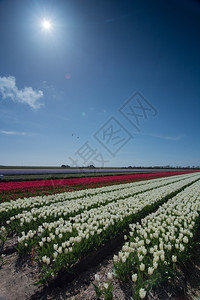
point(150, 270)
point(134, 277)
point(142, 293)
point(142, 267)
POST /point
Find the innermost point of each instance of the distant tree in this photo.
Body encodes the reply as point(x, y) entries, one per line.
point(91, 167)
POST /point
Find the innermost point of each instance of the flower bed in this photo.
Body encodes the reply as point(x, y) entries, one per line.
point(161, 240)
point(38, 205)
point(61, 238)
point(74, 182)
point(13, 190)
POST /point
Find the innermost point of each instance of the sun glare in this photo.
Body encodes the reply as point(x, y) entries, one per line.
point(46, 25)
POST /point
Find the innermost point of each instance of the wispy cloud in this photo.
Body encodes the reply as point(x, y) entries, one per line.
point(27, 95)
point(9, 132)
point(166, 137)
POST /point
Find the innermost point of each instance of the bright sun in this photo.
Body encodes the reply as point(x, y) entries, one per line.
point(46, 25)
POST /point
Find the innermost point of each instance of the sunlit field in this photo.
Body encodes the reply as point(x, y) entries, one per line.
point(153, 217)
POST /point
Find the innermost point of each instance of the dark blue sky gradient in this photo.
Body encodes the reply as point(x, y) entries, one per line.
point(98, 54)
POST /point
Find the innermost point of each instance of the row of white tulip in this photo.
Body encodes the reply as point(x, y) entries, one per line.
point(12, 208)
point(159, 241)
point(27, 220)
point(134, 202)
point(61, 243)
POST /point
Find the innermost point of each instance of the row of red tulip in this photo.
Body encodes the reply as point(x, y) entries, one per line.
point(82, 181)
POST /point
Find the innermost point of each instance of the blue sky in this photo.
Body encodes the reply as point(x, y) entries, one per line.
point(63, 91)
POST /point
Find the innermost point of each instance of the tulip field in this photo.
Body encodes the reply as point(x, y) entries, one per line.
point(55, 231)
point(13, 190)
point(162, 239)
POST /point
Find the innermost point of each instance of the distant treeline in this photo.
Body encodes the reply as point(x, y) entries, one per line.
point(134, 167)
